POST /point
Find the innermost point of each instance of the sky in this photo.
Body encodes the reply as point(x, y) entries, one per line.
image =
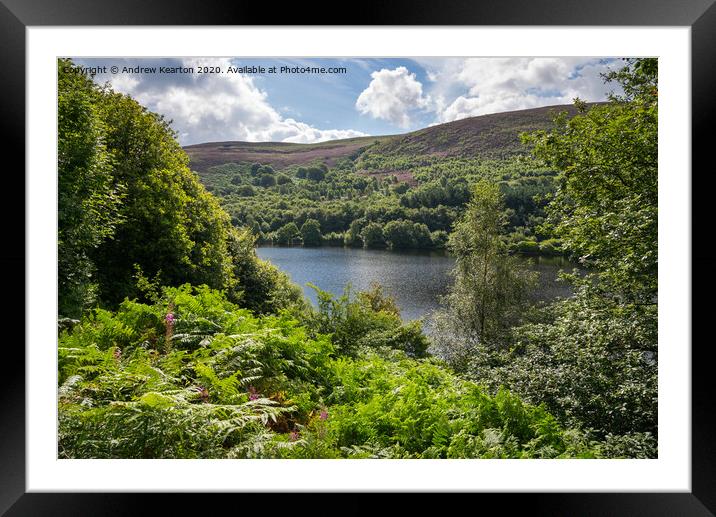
point(371, 96)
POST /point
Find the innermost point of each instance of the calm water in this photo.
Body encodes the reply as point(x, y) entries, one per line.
point(416, 279)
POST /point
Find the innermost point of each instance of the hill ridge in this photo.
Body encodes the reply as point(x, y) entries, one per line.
point(494, 135)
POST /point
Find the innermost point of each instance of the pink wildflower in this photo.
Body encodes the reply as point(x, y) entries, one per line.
point(203, 393)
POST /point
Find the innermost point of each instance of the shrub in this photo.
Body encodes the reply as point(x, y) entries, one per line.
point(528, 247)
point(334, 239)
point(311, 233)
point(372, 236)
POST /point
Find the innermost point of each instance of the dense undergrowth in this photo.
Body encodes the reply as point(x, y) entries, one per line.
point(194, 376)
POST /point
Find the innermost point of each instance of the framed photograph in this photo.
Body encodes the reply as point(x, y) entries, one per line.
point(422, 252)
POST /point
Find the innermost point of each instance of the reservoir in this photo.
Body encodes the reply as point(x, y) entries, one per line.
point(416, 279)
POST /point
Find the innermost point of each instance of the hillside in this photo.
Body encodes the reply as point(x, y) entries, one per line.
point(487, 136)
point(276, 154)
point(418, 182)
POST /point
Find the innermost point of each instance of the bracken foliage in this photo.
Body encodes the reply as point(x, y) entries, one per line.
point(210, 380)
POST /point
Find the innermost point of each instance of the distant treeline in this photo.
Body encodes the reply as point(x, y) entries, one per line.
point(417, 208)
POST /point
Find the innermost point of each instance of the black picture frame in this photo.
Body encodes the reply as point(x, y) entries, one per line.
point(699, 15)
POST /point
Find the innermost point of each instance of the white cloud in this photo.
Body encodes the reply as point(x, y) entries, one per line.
point(479, 86)
point(216, 107)
point(392, 95)
point(207, 107)
point(290, 130)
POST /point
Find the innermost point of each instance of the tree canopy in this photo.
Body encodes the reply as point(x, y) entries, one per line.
point(131, 209)
point(606, 206)
point(593, 359)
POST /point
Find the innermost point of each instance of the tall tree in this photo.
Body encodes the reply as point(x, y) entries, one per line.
point(373, 236)
point(172, 228)
point(490, 288)
point(593, 361)
point(288, 234)
point(606, 206)
point(88, 195)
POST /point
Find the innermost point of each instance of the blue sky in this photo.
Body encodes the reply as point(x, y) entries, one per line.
point(373, 97)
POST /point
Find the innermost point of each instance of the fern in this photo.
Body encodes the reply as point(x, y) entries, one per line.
point(234, 385)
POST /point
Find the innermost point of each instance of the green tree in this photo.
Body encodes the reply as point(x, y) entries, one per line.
point(421, 235)
point(172, 227)
point(439, 239)
point(315, 173)
point(246, 191)
point(592, 363)
point(88, 195)
point(267, 180)
point(288, 234)
point(593, 360)
point(606, 206)
point(639, 79)
point(311, 233)
point(130, 210)
point(283, 179)
point(490, 290)
point(353, 236)
point(372, 236)
point(399, 234)
point(259, 286)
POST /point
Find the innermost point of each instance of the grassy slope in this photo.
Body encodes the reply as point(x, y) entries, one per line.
point(488, 136)
point(276, 154)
